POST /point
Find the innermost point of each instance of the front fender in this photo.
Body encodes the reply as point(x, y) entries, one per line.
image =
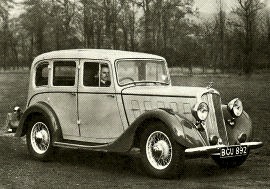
point(40, 108)
point(242, 124)
point(182, 130)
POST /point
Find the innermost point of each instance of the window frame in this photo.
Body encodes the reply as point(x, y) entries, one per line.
point(35, 74)
point(116, 64)
point(100, 62)
point(53, 73)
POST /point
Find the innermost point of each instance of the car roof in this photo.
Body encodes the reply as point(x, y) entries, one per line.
point(100, 54)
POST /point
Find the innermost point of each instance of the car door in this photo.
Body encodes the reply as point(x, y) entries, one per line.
point(63, 96)
point(99, 116)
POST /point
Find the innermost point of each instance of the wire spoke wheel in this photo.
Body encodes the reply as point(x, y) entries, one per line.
point(159, 150)
point(40, 137)
point(162, 156)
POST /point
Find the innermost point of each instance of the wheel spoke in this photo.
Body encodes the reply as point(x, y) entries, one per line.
point(159, 150)
point(40, 137)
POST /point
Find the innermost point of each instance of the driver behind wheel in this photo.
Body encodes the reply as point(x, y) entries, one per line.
point(105, 76)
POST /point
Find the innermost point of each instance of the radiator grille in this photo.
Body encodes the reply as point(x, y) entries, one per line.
point(215, 123)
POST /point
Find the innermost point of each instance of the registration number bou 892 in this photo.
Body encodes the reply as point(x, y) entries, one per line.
point(232, 151)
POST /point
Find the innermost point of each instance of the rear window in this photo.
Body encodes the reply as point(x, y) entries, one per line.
point(42, 74)
point(64, 73)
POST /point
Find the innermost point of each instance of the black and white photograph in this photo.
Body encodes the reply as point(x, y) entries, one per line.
point(134, 94)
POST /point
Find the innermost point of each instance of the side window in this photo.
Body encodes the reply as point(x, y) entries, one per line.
point(96, 75)
point(90, 74)
point(42, 75)
point(64, 73)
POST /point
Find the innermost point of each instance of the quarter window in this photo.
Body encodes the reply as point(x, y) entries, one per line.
point(64, 73)
point(42, 75)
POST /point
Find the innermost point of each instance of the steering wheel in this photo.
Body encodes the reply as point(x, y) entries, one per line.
point(126, 78)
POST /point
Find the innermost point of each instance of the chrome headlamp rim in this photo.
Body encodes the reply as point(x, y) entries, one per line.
point(235, 107)
point(200, 111)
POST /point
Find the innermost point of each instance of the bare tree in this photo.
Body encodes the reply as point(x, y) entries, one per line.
point(88, 23)
point(268, 38)
point(4, 21)
point(222, 28)
point(247, 11)
point(147, 42)
point(34, 21)
point(208, 29)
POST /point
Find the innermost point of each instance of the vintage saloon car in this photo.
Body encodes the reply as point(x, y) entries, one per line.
point(137, 111)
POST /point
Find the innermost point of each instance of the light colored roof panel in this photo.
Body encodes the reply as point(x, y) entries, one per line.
point(94, 54)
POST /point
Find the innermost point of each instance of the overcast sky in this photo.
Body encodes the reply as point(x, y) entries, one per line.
point(205, 6)
point(210, 6)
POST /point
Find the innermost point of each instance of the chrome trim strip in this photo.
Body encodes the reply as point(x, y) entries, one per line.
point(220, 119)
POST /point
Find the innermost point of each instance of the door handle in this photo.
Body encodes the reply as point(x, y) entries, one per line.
point(73, 94)
point(110, 95)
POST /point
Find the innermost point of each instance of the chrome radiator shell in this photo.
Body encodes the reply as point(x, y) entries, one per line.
point(215, 124)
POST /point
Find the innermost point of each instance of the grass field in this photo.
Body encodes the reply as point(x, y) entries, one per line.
point(253, 91)
point(13, 92)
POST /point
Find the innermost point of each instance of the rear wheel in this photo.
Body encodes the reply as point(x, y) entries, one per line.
point(38, 138)
point(229, 162)
point(162, 156)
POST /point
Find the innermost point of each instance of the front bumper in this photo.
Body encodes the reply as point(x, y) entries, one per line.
point(215, 150)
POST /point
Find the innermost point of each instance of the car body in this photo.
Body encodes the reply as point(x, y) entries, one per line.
point(139, 112)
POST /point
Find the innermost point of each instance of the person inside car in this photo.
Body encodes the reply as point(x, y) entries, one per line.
point(105, 76)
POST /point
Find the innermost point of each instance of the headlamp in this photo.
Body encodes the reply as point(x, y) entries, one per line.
point(200, 111)
point(235, 107)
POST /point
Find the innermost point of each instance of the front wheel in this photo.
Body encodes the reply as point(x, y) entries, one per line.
point(162, 157)
point(230, 162)
point(38, 138)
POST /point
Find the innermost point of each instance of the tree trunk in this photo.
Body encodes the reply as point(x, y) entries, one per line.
point(14, 51)
point(40, 38)
point(57, 36)
point(99, 36)
point(125, 33)
point(132, 30)
point(147, 30)
point(222, 31)
point(5, 42)
point(88, 26)
point(31, 52)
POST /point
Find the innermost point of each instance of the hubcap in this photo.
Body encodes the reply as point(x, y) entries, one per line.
point(40, 137)
point(159, 150)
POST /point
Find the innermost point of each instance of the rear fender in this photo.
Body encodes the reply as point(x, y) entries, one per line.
point(181, 129)
point(40, 108)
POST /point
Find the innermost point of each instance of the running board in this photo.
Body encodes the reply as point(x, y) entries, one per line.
point(100, 148)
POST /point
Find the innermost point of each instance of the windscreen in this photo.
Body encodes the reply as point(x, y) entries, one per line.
point(140, 71)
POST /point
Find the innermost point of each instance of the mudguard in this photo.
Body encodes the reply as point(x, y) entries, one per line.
point(242, 124)
point(182, 130)
point(46, 111)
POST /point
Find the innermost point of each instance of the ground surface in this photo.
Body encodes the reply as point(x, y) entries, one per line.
point(82, 169)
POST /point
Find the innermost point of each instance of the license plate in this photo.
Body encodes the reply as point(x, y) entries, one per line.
point(232, 151)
